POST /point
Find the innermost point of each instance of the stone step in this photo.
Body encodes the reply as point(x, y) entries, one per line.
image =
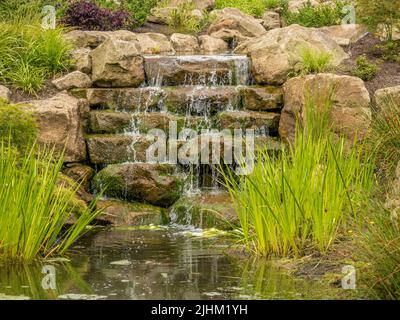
point(184, 100)
point(119, 148)
point(111, 122)
point(212, 70)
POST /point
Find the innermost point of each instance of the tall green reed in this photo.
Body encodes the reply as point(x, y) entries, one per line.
point(299, 199)
point(34, 207)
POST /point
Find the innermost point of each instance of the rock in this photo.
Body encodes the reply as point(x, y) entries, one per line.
point(262, 98)
point(72, 80)
point(200, 100)
point(271, 20)
point(84, 39)
point(350, 113)
point(123, 213)
point(153, 43)
point(5, 94)
point(131, 99)
point(234, 19)
point(265, 122)
point(82, 60)
point(61, 120)
point(80, 173)
point(157, 184)
point(117, 63)
point(117, 122)
point(295, 5)
point(231, 37)
point(275, 55)
point(118, 148)
point(160, 15)
point(211, 45)
point(109, 121)
point(205, 210)
point(185, 43)
point(345, 34)
point(387, 95)
point(196, 70)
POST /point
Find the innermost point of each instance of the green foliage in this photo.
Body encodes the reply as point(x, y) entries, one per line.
point(385, 137)
point(389, 51)
point(29, 55)
point(37, 208)
point(314, 62)
point(17, 125)
point(376, 14)
point(379, 247)
point(252, 7)
point(182, 20)
point(301, 198)
point(318, 16)
point(365, 69)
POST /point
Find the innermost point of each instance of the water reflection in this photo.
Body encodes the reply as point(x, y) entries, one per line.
point(163, 264)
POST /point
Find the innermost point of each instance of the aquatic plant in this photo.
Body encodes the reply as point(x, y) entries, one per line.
point(299, 199)
point(34, 206)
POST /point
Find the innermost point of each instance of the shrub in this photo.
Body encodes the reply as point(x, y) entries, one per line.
point(385, 13)
point(28, 54)
point(389, 51)
point(88, 15)
point(181, 19)
point(314, 61)
point(252, 7)
point(16, 125)
point(300, 198)
point(365, 69)
point(36, 208)
point(318, 16)
point(139, 9)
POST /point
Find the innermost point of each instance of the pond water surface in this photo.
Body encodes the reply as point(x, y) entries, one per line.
point(167, 263)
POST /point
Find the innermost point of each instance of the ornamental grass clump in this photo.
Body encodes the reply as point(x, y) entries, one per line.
point(299, 200)
point(34, 206)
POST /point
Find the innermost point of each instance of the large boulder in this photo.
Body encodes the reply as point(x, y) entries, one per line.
point(80, 173)
point(387, 95)
point(61, 120)
point(275, 55)
point(259, 98)
point(157, 184)
point(153, 43)
point(72, 80)
point(345, 34)
point(5, 93)
point(211, 45)
point(185, 43)
point(350, 114)
point(117, 63)
point(234, 19)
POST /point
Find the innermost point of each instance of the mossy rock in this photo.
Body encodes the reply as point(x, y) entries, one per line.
point(205, 210)
point(123, 213)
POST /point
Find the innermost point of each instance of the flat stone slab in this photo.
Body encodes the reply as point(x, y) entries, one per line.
point(197, 70)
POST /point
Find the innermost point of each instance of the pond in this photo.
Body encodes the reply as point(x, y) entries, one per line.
point(159, 263)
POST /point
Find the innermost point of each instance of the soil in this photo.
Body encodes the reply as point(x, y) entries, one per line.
point(18, 95)
point(389, 72)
